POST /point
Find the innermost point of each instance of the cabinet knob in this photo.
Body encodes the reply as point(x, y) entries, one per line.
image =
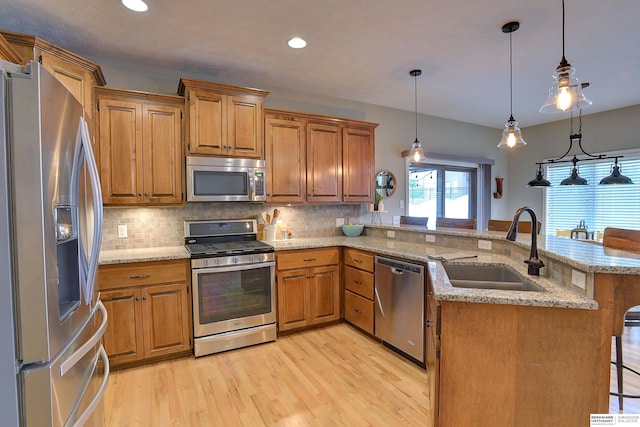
point(144, 298)
point(357, 310)
point(137, 298)
point(139, 194)
point(146, 194)
point(357, 282)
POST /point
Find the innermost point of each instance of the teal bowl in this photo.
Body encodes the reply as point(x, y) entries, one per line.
point(352, 230)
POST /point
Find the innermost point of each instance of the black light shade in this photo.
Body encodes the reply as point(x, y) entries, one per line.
point(574, 178)
point(616, 176)
point(539, 180)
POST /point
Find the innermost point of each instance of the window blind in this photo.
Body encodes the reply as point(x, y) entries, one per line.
point(599, 206)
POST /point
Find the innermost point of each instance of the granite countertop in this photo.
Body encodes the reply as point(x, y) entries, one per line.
point(121, 256)
point(554, 295)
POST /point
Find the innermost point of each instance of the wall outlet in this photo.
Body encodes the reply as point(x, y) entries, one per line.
point(401, 204)
point(391, 234)
point(579, 279)
point(484, 244)
point(122, 231)
point(339, 222)
point(429, 238)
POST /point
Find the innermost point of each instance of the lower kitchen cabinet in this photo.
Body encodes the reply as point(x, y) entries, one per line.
point(433, 350)
point(308, 287)
point(358, 289)
point(149, 309)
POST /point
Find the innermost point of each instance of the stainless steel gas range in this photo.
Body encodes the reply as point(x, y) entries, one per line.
point(233, 281)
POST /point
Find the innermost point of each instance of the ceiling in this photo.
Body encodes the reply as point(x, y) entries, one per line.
point(363, 50)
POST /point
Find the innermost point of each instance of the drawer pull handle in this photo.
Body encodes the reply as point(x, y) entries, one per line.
point(309, 259)
point(359, 261)
point(357, 310)
point(142, 276)
point(357, 282)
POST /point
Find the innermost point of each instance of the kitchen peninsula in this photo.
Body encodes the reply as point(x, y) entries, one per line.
point(501, 357)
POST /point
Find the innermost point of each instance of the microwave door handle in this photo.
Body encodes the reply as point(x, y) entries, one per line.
point(92, 268)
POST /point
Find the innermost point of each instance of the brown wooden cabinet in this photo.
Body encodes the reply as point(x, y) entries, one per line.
point(77, 74)
point(141, 161)
point(432, 343)
point(318, 159)
point(149, 309)
point(359, 289)
point(308, 287)
point(223, 120)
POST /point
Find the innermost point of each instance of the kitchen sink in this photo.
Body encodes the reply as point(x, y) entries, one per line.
point(497, 277)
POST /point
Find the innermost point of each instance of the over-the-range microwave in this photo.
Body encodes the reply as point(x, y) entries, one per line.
point(218, 179)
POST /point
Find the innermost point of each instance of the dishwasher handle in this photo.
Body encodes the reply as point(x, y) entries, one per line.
point(399, 267)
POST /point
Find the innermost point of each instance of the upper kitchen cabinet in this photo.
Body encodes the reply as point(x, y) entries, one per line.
point(223, 120)
point(8, 53)
point(140, 137)
point(318, 159)
point(77, 74)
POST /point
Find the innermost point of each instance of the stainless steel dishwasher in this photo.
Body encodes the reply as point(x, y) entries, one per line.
point(399, 306)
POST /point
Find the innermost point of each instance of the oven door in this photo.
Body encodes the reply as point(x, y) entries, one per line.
point(232, 298)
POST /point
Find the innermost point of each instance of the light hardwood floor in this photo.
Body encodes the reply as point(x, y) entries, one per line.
point(631, 358)
point(334, 376)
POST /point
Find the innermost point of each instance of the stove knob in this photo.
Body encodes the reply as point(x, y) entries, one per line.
point(235, 260)
point(217, 261)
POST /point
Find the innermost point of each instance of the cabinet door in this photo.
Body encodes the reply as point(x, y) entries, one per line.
point(324, 163)
point(123, 337)
point(120, 151)
point(285, 156)
point(76, 79)
point(245, 121)
point(358, 163)
point(162, 154)
point(166, 319)
point(293, 299)
point(325, 294)
point(207, 123)
point(433, 353)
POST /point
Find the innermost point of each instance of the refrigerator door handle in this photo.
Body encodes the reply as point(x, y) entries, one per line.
point(82, 419)
point(89, 344)
point(97, 210)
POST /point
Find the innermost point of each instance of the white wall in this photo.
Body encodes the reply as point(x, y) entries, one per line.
point(395, 133)
point(607, 131)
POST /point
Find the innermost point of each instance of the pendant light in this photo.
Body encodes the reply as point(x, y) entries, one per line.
point(539, 180)
point(416, 153)
point(566, 90)
point(511, 135)
point(574, 178)
point(616, 176)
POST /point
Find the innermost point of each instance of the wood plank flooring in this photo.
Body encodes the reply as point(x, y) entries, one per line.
point(325, 377)
point(631, 358)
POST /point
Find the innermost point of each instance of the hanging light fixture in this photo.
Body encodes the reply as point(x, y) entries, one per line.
point(616, 176)
point(416, 148)
point(511, 135)
point(565, 90)
point(574, 178)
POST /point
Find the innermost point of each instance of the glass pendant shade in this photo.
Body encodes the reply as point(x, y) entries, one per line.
point(511, 135)
point(539, 180)
point(416, 151)
point(565, 91)
point(616, 176)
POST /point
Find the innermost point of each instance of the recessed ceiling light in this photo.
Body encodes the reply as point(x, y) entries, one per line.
point(297, 43)
point(135, 5)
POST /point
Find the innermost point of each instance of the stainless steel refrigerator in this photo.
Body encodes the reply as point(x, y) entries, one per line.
point(53, 368)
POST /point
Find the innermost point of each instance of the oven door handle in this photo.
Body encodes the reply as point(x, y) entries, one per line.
point(228, 268)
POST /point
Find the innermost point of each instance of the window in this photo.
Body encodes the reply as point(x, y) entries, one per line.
point(599, 206)
point(442, 185)
point(442, 191)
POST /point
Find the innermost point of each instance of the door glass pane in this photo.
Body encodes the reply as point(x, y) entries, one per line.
point(456, 194)
point(423, 193)
point(234, 294)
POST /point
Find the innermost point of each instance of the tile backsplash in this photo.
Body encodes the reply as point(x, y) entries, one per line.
point(163, 226)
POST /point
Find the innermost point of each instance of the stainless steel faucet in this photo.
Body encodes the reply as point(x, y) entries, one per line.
point(535, 263)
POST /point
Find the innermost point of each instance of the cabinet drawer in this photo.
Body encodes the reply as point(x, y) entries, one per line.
point(358, 281)
point(358, 259)
point(142, 273)
point(358, 311)
point(305, 258)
